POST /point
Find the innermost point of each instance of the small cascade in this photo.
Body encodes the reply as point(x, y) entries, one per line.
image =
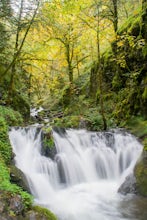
point(81, 181)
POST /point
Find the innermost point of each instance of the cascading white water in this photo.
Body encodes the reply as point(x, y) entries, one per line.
point(81, 182)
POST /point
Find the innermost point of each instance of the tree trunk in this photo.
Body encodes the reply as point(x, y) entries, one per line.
point(70, 73)
point(13, 68)
point(115, 15)
point(100, 79)
point(144, 19)
point(69, 62)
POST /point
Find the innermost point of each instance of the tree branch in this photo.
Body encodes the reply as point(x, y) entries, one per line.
point(22, 43)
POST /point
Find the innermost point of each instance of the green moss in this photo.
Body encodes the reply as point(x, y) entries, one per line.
point(66, 96)
point(20, 104)
point(145, 144)
point(138, 126)
point(8, 117)
point(11, 117)
point(45, 212)
point(141, 177)
point(12, 188)
point(5, 148)
point(144, 50)
point(67, 121)
point(48, 141)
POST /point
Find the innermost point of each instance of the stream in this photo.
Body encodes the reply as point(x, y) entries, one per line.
point(82, 179)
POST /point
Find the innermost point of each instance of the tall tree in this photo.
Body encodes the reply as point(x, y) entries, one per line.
point(61, 20)
point(99, 71)
point(144, 19)
point(22, 25)
point(5, 14)
point(98, 25)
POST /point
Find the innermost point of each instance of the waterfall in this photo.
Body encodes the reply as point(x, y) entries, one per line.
point(81, 181)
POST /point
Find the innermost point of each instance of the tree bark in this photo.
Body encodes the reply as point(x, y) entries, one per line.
point(144, 19)
point(100, 80)
point(115, 15)
point(17, 53)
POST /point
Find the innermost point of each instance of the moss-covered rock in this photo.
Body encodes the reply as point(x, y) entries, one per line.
point(141, 174)
point(43, 213)
point(12, 208)
point(20, 104)
point(5, 148)
point(48, 146)
point(17, 177)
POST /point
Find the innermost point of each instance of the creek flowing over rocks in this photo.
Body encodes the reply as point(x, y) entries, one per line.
point(81, 180)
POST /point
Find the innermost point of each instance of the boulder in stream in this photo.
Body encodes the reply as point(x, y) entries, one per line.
point(128, 186)
point(17, 177)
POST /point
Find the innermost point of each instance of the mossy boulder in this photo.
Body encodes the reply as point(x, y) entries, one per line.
point(11, 205)
point(129, 185)
point(48, 146)
point(141, 174)
point(5, 148)
point(17, 177)
point(12, 208)
point(20, 104)
point(41, 213)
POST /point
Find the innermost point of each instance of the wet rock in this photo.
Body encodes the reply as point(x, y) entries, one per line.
point(10, 205)
point(12, 208)
point(15, 204)
point(48, 147)
point(17, 177)
point(60, 131)
point(109, 139)
point(141, 175)
point(129, 185)
point(1, 206)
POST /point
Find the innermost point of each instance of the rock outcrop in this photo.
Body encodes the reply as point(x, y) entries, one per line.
point(128, 186)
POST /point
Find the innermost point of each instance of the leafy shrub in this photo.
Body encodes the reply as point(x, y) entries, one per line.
point(5, 148)
point(11, 117)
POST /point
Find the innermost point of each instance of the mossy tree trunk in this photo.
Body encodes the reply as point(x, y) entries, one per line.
point(99, 72)
point(18, 46)
point(13, 68)
point(69, 57)
point(144, 19)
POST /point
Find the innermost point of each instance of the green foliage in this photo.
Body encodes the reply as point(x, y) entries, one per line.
point(144, 95)
point(8, 117)
point(48, 141)
point(145, 144)
point(144, 51)
point(5, 151)
point(141, 177)
point(94, 119)
point(5, 148)
point(66, 96)
point(20, 104)
point(11, 117)
point(4, 172)
point(67, 121)
point(132, 24)
point(138, 126)
point(45, 212)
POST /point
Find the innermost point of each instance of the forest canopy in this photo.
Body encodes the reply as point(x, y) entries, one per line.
point(74, 56)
